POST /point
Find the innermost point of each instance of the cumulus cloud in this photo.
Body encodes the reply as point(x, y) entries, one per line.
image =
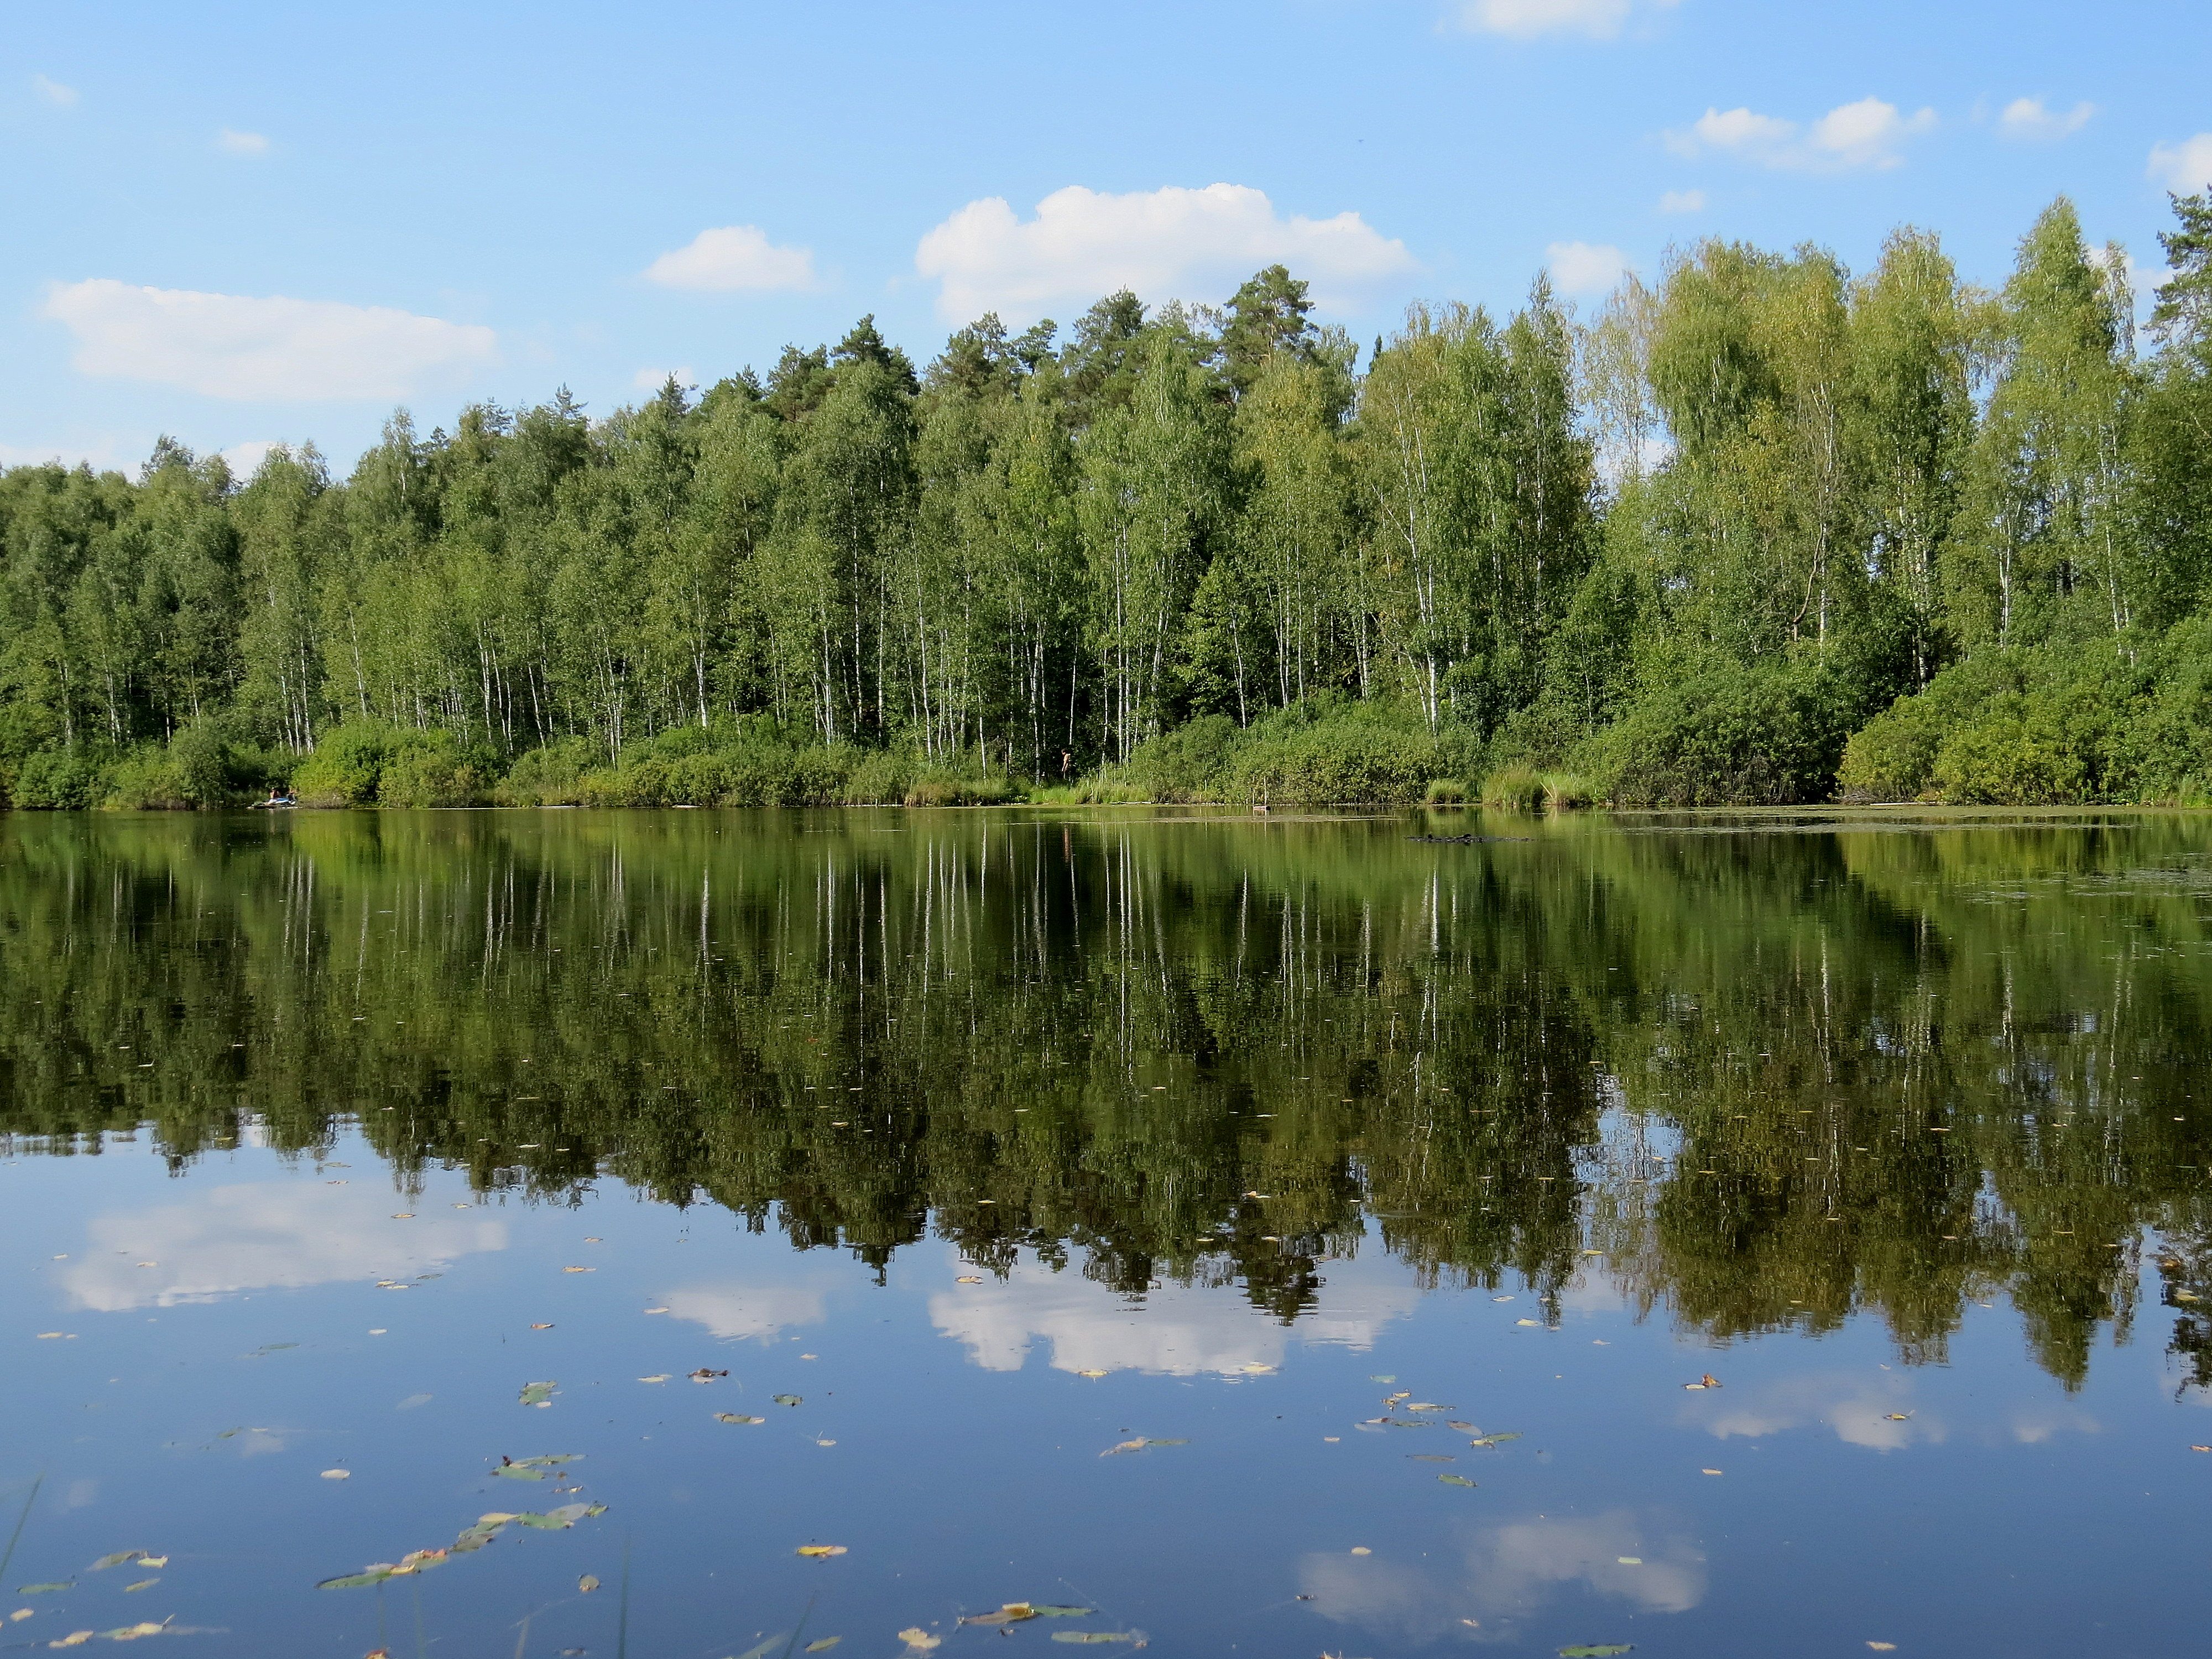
point(1505, 1574)
point(1682, 201)
point(2031, 120)
point(260, 1235)
point(1599, 20)
point(1177, 1331)
point(231, 142)
point(1585, 267)
point(53, 92)
point(2185, 168)
point(232, 345)
point(1168, 243)
point(1868, 134)
point(734, 260)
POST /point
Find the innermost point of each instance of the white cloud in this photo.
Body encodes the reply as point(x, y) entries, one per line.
point(1505, 1574)
point(1175, 1331)
point(231, 345)
point(652, 380)
point(100, 456)
point(54, 92)
point(2030, 119)
point(1874, 1413)
point(734, 260)
point(245, 459)
point(2183, 168)
point(259, 1235)
point(231, 142)
point(1163, 244)
point(1869, 133)
point(1585, 267)
point(1682, 201)
point(747, 1312)
point(1524, 19)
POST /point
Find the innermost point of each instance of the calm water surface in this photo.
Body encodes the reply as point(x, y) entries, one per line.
point(1266, 1237)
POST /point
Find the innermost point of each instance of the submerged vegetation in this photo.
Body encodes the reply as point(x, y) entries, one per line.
point(1766, 532)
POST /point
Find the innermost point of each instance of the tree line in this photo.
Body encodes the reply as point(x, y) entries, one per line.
point(1765, 529)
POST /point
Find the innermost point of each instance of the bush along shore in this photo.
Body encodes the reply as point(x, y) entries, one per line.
point(1769, 530)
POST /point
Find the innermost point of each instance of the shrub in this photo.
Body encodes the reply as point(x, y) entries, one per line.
point(1768, 735)
point(56, 780)
point(1445, 791)
point(345, 767)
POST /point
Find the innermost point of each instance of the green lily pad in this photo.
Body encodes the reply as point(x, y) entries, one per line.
point(537, 1394)
point(356, 1581)
point(1454, 1480)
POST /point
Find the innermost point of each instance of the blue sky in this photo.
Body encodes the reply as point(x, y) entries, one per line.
point(247, 223)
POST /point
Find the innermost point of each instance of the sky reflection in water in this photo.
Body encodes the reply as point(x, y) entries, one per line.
point(1000, 1142)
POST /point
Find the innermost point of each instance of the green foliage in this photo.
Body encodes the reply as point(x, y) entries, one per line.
point(1762, 736)
point(1687, 551)
point(1514, 789)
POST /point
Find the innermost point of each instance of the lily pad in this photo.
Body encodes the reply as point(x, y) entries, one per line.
point(1454, 1480)
point(538, 1394)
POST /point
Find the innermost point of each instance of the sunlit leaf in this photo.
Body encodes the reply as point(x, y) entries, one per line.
point(1012, 1613)
point(1046, 1610)
point(821, 1551)
point(537, 1394)
point(920, 1639)
point(824, 1645)
point(790, 1400)
point(587, 1583)
point(734, 1417)
point(1454, 1480)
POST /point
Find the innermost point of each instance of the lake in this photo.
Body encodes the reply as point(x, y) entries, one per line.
point(701, 1235)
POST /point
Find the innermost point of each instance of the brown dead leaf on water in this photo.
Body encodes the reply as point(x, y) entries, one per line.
point(1012, 1613)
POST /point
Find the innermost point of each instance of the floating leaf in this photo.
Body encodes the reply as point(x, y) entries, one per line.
point(824, 1645)
point(1464, 1428)
point(132, 1632)
point(1527, 1322)
point(538, 1394)
point(1381, 1379)
point(580, 1270)
point(1603, 1650)
point(1494, 1439)
point(1883, 1647)
point(765, 1648)
point(920, 1639)
point(734, 1417)
point(1897, 1417)
point(1139, 1445)
point(1093, 1636)
point(154, 1561)
point(704, 1375)
point(587, 1583)
point(337, 1474)
point(357, 1581)
point(971, 1278)
point(821, 1551)
point(143, 1583)
point(662, 1377)
point(1011, 1613)
point(1454, 1480)
point(1090, 1373)
point(45, 1589)
point(1046, 1610)
point(1430, 1457)
point(114, 1560)
point(791, 1400)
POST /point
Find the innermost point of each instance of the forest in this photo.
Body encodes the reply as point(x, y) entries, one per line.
point(1765, 530)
